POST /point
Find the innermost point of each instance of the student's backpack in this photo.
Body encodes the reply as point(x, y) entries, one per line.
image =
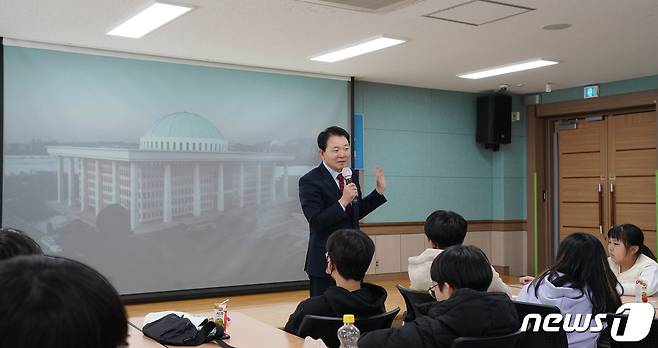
point(177, 330)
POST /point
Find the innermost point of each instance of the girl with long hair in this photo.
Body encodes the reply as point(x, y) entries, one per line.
point(579, 282)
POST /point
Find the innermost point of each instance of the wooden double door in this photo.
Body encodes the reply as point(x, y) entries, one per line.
point(607, 174)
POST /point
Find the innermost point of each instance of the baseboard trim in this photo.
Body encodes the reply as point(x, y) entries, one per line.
point(187, 294)
point(416, 227)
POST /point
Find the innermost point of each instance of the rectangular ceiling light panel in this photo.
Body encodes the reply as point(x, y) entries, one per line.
point(358, 49)
point(506, 69)
point(149, 19)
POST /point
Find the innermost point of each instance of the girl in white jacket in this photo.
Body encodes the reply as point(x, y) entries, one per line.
point(631, 260)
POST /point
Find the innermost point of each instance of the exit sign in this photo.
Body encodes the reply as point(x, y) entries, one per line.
point(591, 91)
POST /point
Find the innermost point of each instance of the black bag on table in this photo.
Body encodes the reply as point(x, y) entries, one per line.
point(178, 331)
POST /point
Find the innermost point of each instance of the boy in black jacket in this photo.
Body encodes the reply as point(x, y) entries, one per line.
point(464, 309)
point(349, 253)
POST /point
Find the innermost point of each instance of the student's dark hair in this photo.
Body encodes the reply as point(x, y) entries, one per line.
point(630, 235)
point(445, 228)
point(351, 252)
point(462, 266)
point(333, 130)
point(14, 242)
point(581, 263)
point(56, 302)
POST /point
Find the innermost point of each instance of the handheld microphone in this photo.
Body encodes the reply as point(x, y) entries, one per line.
point(347, 174)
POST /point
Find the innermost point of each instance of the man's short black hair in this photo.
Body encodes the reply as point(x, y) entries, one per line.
point(445, 228)
point(14, 242)
point(56, 302)
point(333, 130)
point(462, 266)
point(351, 252)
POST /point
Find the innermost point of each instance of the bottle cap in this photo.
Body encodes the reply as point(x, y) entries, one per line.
point(348, 318)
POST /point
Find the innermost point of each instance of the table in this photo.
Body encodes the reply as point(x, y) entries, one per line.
point(516, 288)
point(245, 332)
point(137, 340)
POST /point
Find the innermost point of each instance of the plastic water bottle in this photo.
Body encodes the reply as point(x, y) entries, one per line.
point(348, 334)
point(641, 291)
point(638, 292)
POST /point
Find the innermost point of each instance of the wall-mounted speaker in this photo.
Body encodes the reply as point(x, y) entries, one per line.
point(494, 123)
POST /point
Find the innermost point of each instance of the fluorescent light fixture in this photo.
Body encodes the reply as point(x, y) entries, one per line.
point(149, 19)
point(506, 69)
point(358, 49)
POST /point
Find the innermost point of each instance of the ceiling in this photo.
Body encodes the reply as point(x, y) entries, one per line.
point(609, 39)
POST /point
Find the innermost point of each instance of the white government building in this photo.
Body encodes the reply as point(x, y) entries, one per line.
point(182, 168)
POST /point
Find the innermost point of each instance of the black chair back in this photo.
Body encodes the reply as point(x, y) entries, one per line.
point(540, 339)
point(412, 299)
point(507, 341)
point(326, 328)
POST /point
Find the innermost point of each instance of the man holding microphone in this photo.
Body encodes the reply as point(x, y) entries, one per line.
point(331, 200)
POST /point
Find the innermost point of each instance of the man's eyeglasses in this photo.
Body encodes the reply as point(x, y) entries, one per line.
point(431, 292)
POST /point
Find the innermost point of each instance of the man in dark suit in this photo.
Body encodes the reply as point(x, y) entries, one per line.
point(327, 202)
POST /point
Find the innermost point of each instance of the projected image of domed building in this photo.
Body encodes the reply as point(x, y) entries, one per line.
point(182, 169)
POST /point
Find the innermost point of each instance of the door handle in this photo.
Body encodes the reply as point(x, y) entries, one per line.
point(600, 194)
point(613, 204)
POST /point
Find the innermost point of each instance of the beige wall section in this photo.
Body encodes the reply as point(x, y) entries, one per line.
point(506, 249)
point(411, 245)
point(387, 254)
point(503, 248)
point(481, 240)
point(509, 249)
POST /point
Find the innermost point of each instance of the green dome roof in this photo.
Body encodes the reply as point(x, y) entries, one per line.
point(184, 125)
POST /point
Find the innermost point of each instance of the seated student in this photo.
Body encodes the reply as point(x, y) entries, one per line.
point(631, 260)
point(461, 274)
point(349, 253)
point(579, 282)
point(14, 242)
point(55, 302)
point(443, 229)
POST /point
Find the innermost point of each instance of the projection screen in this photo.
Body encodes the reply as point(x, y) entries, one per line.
point(162, 175)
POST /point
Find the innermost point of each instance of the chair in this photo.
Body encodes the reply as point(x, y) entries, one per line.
point(541, 339)
point(606, 341)
point(507, 341)
point(412, 298)
point(326, 327)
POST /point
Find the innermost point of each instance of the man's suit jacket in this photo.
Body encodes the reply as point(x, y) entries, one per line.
point(319, 195)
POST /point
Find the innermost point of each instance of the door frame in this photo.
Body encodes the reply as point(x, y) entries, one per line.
point(538, 160)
